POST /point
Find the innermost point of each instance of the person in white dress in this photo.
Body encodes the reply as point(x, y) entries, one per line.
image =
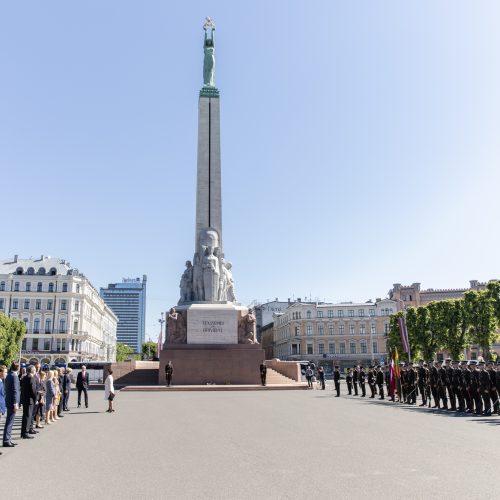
point(109, 390)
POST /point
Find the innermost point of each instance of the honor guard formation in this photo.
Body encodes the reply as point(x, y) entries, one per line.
point(461, 386)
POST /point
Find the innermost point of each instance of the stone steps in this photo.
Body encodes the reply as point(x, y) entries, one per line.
point(208, 388)
point(273, 378)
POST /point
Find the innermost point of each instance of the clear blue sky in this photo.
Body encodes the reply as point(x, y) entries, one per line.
point(360, 142)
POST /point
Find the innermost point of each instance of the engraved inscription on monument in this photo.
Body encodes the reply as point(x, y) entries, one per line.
point(212, 326)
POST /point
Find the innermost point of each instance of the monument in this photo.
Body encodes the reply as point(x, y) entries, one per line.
point(210, 337)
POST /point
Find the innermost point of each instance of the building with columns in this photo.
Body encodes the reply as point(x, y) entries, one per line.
point(66, 319)
point(346, 333)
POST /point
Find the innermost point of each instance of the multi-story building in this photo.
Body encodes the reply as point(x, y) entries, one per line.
point(128, 301)
point(65, 318)
point(345, 333)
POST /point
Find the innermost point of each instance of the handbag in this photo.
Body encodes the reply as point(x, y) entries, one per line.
point(111, 396)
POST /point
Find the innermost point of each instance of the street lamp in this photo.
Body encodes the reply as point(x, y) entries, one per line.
point(161, 321)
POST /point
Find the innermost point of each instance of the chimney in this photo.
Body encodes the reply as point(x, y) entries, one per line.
point(289, 301)
point(299, 299)
point(276, 299)
point(15, 257)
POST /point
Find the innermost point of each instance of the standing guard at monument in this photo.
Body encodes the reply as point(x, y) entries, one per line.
point(169, 371)
point(263, 373)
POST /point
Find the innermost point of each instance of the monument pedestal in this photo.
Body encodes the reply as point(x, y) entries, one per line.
point(199, 364)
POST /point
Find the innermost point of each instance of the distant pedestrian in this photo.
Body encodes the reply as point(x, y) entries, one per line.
point(109, 390)
point(263, 373)
point(321, 378)
point(82, 384)
point(309, 377)
point(336, 381)
point(380, 382)
point(355, 375)
point(50, 394)
point(29, 399)
point(348, 380)
point(169, 371)
point(362, 381)
point(12, 399)
point(66, 389)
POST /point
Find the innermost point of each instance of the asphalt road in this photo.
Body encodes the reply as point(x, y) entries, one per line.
point(247, 445)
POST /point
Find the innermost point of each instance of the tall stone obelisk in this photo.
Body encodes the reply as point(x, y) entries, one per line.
point(210, 337)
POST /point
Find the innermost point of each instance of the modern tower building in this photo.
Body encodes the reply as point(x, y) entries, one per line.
point(128, 301)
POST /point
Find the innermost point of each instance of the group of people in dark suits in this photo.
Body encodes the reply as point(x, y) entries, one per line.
point(38, 394)
point(357, 379)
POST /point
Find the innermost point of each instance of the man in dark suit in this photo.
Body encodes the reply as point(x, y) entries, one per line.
point(336, 381)
point(82, 384)
point(12, 400)
point(169, 371)
point(380, 381)
point(362, 380)
point(29, 399)
point(355, 374)
point(3, 408)
point(263, 373)
point(66, 388)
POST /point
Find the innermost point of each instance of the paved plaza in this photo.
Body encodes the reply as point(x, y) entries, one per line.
point(247, 445)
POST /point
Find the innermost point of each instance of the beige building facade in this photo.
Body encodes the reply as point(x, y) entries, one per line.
point(66, 319)
point(345, 334)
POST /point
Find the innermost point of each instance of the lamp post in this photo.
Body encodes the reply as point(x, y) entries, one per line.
point(161, 321)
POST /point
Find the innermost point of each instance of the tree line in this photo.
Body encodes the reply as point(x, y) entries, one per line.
point(12, 332)
point(450, 325)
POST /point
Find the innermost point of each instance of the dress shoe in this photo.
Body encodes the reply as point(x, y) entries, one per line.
point(60, 416)
point(27, 436)
point(9, 445)
point(32, 432)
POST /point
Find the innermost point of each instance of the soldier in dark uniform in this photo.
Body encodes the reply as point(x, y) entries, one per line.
point(462, 369)
point(498, 381)
point(449, 385)
point(442, 384)
point(474, 388)
point(263, 373)
point(484, 388)
point(456, 385)
point(371, 381)
point(387, 378)
point(404, 386)
point(411, 380)
point(348, 381)
point(493, 385)
point(169, 371)
point(362, 380)
point(435, 384)
point(428, 391)
point(355, 375)
point(380, 381)
point(421, 378)
point(336, 381)
point(466, 378)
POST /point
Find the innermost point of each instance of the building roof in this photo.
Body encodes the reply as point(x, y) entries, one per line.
point(32, 266)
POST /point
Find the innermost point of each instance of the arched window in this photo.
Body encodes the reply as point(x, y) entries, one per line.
point(62, 326)
point(19, 270)
point(2, 286)
point(30, 271)
point(48, 325)
point(53, 271)
point(36, 325)
point(42, 271)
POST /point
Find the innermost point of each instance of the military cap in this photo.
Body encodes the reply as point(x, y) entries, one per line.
point(463, 362)
point(489, 363)
point(480, 363)
point(448, 360)
point(454, 362)
point(420, 360)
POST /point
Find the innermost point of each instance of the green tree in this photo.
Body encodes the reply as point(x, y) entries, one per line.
point(148, 349)
point(493, 292)
point(481, 318)
point(456, 335)
point(12, 332)
point(123, 352)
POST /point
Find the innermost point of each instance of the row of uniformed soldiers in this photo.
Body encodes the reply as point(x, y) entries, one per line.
point(463, 386)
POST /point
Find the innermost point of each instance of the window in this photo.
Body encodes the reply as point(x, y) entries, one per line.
point(320, 314)
point(308, 314)
point(320, 329)
point(36, 326)
point(331, 331)
point(53, 271)
point(1, 303)
point(363, 347)
point(331, 348)
point(341, 329)
point(351, 313)
point(473, 355)
point(342, 348)
point(51, 287)
point(309, 349)
point(15, 304)
point(309, 330)
point(77, 288)
point(38, 304)
point(48, 326)
point(41, 271)
point(63, 344)
point(340, 313)
point(16, 286)
point(39, 286)
point(375, 348)
point(28, 286)
point(49, 305)
point(371, 312)
point(362, 328)
point(297, 330)
point(75, 327)
point(2, 286)
point(65, 287)
point(373, 329)
point(386, 328)
point(352, 348)
point(23, 345)
point(26, 303)
point(30, 271)
point(35, 345)
point(19, 270)
point(46, 345)
point(63, 305)
point(321, 348)
point(361, 312)
point(440, 356)
point(330, 314)
point(62, 326)
point(77, 306)
point(351, 329)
